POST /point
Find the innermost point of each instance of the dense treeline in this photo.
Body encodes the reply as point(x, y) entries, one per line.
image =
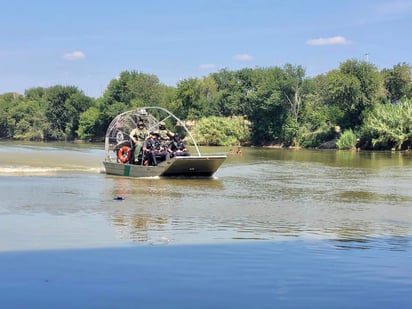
point(357, 104)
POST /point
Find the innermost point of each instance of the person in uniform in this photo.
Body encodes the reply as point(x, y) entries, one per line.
point(149, 150)
point(165, 139)
point(179, 147)
point(162, 150)
point(164, 134)
point(138, 136)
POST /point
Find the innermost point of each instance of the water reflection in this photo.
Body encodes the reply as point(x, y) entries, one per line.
point(149, 210)
point(137, 228)
point(159, 187)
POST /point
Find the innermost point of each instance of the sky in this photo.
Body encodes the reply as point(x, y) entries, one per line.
point(88, 43)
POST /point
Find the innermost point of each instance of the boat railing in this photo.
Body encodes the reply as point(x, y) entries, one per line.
point(123, 123)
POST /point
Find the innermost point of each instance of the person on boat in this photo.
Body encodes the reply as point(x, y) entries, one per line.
point(149, 150)
point(166, 139)
point(164, 134)
point(162, 150)
point(138, 136)
point(178, 147)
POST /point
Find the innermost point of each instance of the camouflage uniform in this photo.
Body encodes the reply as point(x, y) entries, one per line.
point(164, 134)
point(138, 135)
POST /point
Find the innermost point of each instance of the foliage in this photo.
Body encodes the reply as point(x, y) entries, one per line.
point(291, 132)
point(316, 118)
point(389, 126)
point(293, 88)
point(133, 87)
point(354, 89)
point(232, 89)
point(130, 90)
point(89, 124)
point(316, 126)
point(266, 107)
point(63, 108)
point(280, 105)
point(347, 140)
point(225, 131)
point(398, 82)
point(32, 127)
point(43, 113)
point(194, 98)
point(7, 123)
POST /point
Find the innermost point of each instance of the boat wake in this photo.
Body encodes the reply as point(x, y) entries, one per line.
point(44, 171)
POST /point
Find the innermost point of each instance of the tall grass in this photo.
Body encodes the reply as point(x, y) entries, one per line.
point(347, 140)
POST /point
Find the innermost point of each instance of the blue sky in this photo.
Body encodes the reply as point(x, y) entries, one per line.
point(88, 43)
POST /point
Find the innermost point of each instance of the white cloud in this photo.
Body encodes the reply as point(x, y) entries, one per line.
point(335, 40)
point(243, 57)
point(205, 66)
point(76, 55)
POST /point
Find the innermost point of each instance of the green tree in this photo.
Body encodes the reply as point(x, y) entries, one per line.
point(134, 89)
point(294, 89)
point(398, 82)
point(89, 124)
point(233, 90)
point(130, 90)
point(318, 119)
point(195, 98)
point(225, 81)
point(354, 89)
point(35, 93)
point(75, 105)
point(7, 122)
point(266, 107)
point(30, 120)
point(64, 106)
point(188, 103)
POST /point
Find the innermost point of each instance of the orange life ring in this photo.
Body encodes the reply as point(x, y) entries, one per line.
point(124, 154)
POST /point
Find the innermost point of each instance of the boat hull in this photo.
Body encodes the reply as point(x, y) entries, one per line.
point(193, 166)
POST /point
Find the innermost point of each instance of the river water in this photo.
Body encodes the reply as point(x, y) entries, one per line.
point(273, 228)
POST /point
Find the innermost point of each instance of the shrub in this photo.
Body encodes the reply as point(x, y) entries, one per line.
point(221, 131)
point(389, 126)
point(347, 140)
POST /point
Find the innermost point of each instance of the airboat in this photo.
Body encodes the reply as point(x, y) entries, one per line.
point(121, 159)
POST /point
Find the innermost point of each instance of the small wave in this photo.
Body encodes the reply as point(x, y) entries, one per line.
point(30, 170)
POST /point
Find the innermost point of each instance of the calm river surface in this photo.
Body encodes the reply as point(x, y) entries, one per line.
point(274, 228)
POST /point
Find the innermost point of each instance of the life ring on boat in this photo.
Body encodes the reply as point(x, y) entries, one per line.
point(124, 154)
